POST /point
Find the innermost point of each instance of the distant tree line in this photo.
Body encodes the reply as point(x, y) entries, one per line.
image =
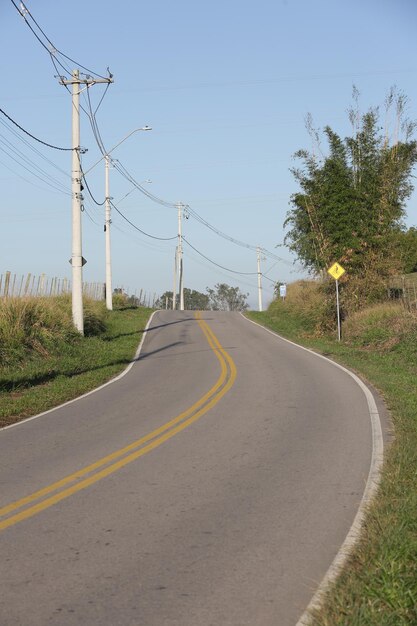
point(221, 298)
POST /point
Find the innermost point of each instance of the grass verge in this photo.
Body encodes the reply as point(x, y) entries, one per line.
point(73, 366)
point(378, 587)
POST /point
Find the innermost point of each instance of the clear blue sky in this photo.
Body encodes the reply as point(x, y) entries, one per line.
point(225, 86)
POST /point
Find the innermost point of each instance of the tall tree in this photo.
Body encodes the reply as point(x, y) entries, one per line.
point(351, 204)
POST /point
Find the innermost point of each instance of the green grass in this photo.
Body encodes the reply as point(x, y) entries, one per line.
point(378, 587)
point(69, 365)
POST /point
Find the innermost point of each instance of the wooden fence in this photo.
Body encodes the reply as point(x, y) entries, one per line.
point(19, 286)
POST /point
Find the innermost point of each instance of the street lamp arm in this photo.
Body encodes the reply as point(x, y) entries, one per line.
point(116, 146)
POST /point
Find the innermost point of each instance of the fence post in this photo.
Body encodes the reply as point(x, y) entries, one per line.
point(27, 283)
point(6, 285)
point(14, 282)
point(21, 285)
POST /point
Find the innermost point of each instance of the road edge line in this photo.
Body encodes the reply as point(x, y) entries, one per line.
point(374, 477)
point(89, 393)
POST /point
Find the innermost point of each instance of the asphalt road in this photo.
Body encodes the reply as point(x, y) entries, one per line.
point(211, 485)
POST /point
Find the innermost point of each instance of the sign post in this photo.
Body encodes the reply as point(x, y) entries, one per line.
point(336, 271)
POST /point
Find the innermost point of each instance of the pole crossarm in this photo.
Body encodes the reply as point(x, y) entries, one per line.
point(88, 80)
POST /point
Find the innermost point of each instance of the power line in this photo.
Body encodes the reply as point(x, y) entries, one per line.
point(23, 157)
point(139, 229)
point(237, 242)
point(34, 173)
point(123, 171)
point(54, 50)
point(23, 140)
point(270, 279)
point(217, 264)
point(33, 136)
point(87, 185)
point(219, 272)
point(25, 179)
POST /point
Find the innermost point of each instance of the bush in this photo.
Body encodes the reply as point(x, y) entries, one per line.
point(120, 300)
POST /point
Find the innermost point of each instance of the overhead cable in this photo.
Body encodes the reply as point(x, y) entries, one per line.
point(33, 136)
point(237, 242)
point(24, 11)
point(123, 171)
point(139, 229)
point(20, 155)
point(270, 279)
point(87, 185)
point(217, 264)
point(31, 147)
point(48, 182)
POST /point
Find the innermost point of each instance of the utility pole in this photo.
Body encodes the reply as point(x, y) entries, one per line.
point(107, 218)
point(174, 289)
point(180, 263)
point(107, 222)
point(77, 260)
point(258, 254)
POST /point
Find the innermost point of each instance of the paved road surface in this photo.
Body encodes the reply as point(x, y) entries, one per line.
point(211, 485)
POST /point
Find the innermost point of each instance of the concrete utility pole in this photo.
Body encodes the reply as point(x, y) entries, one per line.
point(178, 265)
point(77, 260)
point(107, 217)
point(180, 262)
point(258, 254)
point(107, 222)
point(174, 288)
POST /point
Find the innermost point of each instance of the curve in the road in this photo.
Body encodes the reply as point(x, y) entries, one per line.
point(372, 483)
point(83, 478)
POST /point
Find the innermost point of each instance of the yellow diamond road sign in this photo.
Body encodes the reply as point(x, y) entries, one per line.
point(336, 271)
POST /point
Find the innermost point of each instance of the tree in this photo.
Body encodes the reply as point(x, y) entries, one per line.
point(351, 204)
point(193, 300)
point(226, 298)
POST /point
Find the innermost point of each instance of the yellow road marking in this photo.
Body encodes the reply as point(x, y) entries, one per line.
point(159, 436)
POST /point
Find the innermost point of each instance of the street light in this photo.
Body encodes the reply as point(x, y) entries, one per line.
point(116, 146)
point(107, 222)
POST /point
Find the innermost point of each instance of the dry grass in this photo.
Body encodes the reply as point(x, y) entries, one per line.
point(309, 301)
point(37, 326)
point(381, 326)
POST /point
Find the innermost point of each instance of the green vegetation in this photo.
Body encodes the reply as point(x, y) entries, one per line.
point(379, 585)
point(221, 298)
point(44, 362)
point(193, 300)
point(351, 203)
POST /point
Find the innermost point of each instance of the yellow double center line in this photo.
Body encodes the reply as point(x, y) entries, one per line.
point(52, 494)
